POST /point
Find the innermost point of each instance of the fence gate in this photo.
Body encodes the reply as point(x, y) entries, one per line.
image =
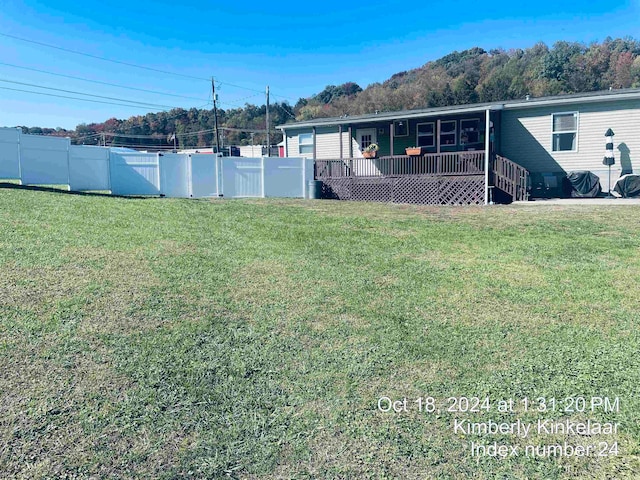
point(175, 175)
point(204, 175)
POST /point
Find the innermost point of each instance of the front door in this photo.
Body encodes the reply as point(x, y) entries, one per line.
point(365, 137)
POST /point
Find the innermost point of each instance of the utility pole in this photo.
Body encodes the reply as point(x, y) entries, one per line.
point(215, 115)
point(268, 131)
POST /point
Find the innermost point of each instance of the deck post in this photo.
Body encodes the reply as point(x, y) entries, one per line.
point(391, 132)
point(350, 142)
point(341, 148)
point(314, 143)
point(487, 145)
point(438, 160)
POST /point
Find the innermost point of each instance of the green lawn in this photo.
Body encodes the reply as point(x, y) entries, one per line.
point(253, 339)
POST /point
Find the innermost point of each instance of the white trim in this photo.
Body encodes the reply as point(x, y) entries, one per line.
point(553, 132)
point(433, 134)
point(286, 142)
point(406, 121)
point(366, 131)
point(306, 143)
point(487, 146)
point(454, 133)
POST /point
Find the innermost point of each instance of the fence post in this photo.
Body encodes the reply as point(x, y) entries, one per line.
point(263, 177)
point(304, 175)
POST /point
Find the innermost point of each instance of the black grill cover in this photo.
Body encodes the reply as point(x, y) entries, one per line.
point(584, 184)
point(628, 186)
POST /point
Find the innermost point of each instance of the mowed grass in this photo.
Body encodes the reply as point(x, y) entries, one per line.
point(167, 338)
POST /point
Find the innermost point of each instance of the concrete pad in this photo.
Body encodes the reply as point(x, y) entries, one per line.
point(582, 201)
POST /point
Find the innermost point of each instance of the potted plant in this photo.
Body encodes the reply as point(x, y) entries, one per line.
point(370, 151)
point(413, 151)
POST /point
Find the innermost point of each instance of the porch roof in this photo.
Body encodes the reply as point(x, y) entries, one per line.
point(601, 96)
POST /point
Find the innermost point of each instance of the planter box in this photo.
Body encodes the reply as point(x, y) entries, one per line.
point(370, 154)
point(413, 151)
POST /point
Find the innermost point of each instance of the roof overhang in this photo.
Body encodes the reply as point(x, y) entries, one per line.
point(603, 97)
point(592, 97)
point(391, 116)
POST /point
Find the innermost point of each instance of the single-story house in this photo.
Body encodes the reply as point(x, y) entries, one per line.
point(534, 139)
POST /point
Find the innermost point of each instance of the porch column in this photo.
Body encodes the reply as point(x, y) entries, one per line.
point(438, 158)
point(341, 148)
point(286, 143)
point(314, 143)
point(487, 131)
point(391, 132)
point(350, 142)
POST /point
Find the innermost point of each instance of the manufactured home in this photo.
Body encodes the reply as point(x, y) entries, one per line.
point(471, 153)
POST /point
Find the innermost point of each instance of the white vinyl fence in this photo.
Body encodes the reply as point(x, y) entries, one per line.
point(88, 168)
point(41, 160)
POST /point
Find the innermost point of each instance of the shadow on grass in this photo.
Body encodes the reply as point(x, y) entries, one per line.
point(34, 188)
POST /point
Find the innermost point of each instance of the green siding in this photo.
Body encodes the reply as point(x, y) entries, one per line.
point(411, 140)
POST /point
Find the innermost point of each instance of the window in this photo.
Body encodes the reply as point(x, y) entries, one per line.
point(448, 132)
point(400, 128)
point(469, 131)
point(425, 135)
point(305, 143)
point(564, 132)
point(365, 141)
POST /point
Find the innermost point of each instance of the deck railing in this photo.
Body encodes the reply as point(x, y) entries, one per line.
point(511, 178)
point(453, 163)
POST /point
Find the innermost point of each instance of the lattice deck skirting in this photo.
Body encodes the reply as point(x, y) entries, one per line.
point(420, 189)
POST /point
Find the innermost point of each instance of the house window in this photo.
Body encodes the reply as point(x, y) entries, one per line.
point(365, 141)
point(448, 132)
point(400, 128)
point(426, 135)
point(469, 131)
point(564, 132)
point(305, 143)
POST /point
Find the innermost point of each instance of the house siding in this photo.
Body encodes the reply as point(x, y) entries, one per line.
point(292, 142)
point(526, 138)
point(328, 142)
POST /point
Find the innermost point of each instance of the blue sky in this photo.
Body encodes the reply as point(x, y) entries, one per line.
point(297, 48)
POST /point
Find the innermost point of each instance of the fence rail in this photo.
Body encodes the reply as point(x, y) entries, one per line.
point(453, 163)
point(511, 178)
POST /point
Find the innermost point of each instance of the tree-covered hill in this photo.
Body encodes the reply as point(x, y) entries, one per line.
point(470, 76)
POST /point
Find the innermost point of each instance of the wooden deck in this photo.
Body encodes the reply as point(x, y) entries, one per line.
point(455, 178)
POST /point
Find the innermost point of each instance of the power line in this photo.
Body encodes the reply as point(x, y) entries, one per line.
point(119, 62)
point(103, 58)
point(73, 98)
point(100, 82)
point(87, 94)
